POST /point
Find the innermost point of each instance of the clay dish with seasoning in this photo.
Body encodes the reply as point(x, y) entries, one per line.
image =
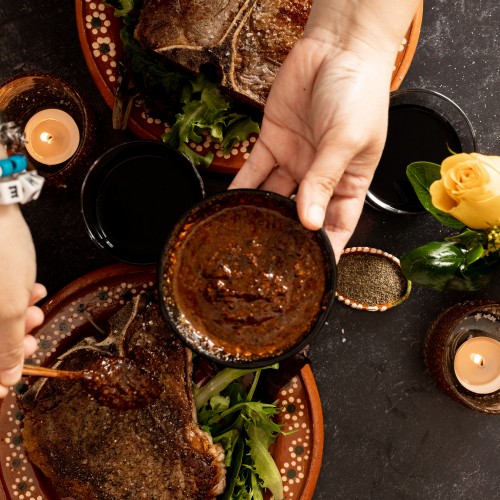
point(243, 282)
point(370, 279)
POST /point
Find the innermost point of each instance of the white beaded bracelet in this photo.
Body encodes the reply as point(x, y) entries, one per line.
point(20, 188)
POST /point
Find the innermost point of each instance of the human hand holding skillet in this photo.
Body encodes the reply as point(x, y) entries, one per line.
point(325, 121)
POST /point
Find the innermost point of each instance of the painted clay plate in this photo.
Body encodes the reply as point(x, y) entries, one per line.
point(93, 299)
point(99, 32)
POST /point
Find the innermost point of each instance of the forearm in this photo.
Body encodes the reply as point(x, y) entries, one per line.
point(362, 26)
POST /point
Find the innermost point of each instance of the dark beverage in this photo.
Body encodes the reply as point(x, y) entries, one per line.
point(138, 203)
point(414, 134)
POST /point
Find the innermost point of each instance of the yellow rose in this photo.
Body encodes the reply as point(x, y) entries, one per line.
point(469, 189)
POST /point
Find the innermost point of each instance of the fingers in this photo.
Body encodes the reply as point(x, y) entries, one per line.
point(256, 169)
point(341, 218)
point(15, 344)
point(39, 292)
point(30, 345)
point(34, 318)
point(317, 187)
point(279, 181)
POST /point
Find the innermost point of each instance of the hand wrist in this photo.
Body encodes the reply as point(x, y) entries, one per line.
point(370, 29)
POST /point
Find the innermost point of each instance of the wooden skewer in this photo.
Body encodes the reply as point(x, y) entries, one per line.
point(42, 371)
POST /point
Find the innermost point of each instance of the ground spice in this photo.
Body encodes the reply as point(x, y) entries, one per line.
point(369, 279)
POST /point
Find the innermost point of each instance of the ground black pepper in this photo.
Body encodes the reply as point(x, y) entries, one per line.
point(370, 279)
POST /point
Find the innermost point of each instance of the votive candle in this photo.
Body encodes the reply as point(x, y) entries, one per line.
point(477, 365)
point(52, 136)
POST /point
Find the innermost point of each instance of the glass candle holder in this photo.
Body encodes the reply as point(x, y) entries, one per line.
point(27, 96)
point(455, 326)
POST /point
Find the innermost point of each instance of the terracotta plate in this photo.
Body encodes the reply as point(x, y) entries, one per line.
point(94, 298)
point(99, 29)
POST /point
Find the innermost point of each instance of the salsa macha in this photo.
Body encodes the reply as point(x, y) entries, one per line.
point(248, 281)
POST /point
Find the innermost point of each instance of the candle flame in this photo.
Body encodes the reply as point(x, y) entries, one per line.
point(46, 137)
point(477, 359)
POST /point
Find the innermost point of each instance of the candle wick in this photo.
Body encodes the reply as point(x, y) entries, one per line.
point(478, 360)
point(46, 137)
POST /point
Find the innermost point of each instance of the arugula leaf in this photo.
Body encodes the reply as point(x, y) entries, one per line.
point(245, 429)
point(220, 381)
point(194, 105)
point(264, 465)
point(239, 127)
point(197, 159)
point(233, 473)
point(206, 110)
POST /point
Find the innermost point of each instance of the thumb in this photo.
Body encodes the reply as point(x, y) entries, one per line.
point(316, 190)
point(12, 351)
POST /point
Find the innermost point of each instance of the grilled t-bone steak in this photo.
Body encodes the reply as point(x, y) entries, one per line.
point(89, 451)
point(247, 40)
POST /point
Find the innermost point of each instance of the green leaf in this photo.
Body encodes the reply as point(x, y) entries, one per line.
point(228, 441)
point(445, 266)
point(220, 381)
point(196, 159)
point(432, 265)
point(234, 469)
point(238, 129)
point(122, 7)
point(468, 238)
point(422, 174)
point(263, 462)
point(474, 254)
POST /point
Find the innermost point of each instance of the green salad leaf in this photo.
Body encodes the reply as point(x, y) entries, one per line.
point(245, 429)
point(194, 105)
point(207, 110)
point(122, 7)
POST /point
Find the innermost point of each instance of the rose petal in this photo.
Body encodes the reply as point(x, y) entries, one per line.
point(440, 197)
point(478, 215)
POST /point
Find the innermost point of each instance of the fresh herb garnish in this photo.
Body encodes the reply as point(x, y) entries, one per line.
point(193, 104)
point(245, 429)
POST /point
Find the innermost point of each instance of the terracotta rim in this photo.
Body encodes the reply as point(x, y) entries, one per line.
point(412, 36)
point(317, 431)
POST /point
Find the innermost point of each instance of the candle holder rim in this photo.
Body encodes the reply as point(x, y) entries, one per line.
point(435, 354)
point(60, 176)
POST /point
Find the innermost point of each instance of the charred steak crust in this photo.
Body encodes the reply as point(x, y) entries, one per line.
point(88, 451)
point(246, 40)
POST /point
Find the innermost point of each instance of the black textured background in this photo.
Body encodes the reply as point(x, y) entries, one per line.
point(390, 433)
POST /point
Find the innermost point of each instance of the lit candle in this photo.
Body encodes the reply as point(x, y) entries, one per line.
point(52, 136)
point(477, 365)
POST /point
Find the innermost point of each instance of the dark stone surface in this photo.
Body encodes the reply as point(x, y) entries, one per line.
point(390, 433)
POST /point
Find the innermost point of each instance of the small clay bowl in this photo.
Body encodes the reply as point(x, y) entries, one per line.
point(23, 96)
point(356, 302)
point(134, 194)
point(243, 282)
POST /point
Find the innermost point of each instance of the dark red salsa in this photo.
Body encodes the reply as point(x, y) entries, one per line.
point(248, 281)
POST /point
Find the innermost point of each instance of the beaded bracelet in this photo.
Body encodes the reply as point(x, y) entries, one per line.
point(17, 184)
point(13, 164)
